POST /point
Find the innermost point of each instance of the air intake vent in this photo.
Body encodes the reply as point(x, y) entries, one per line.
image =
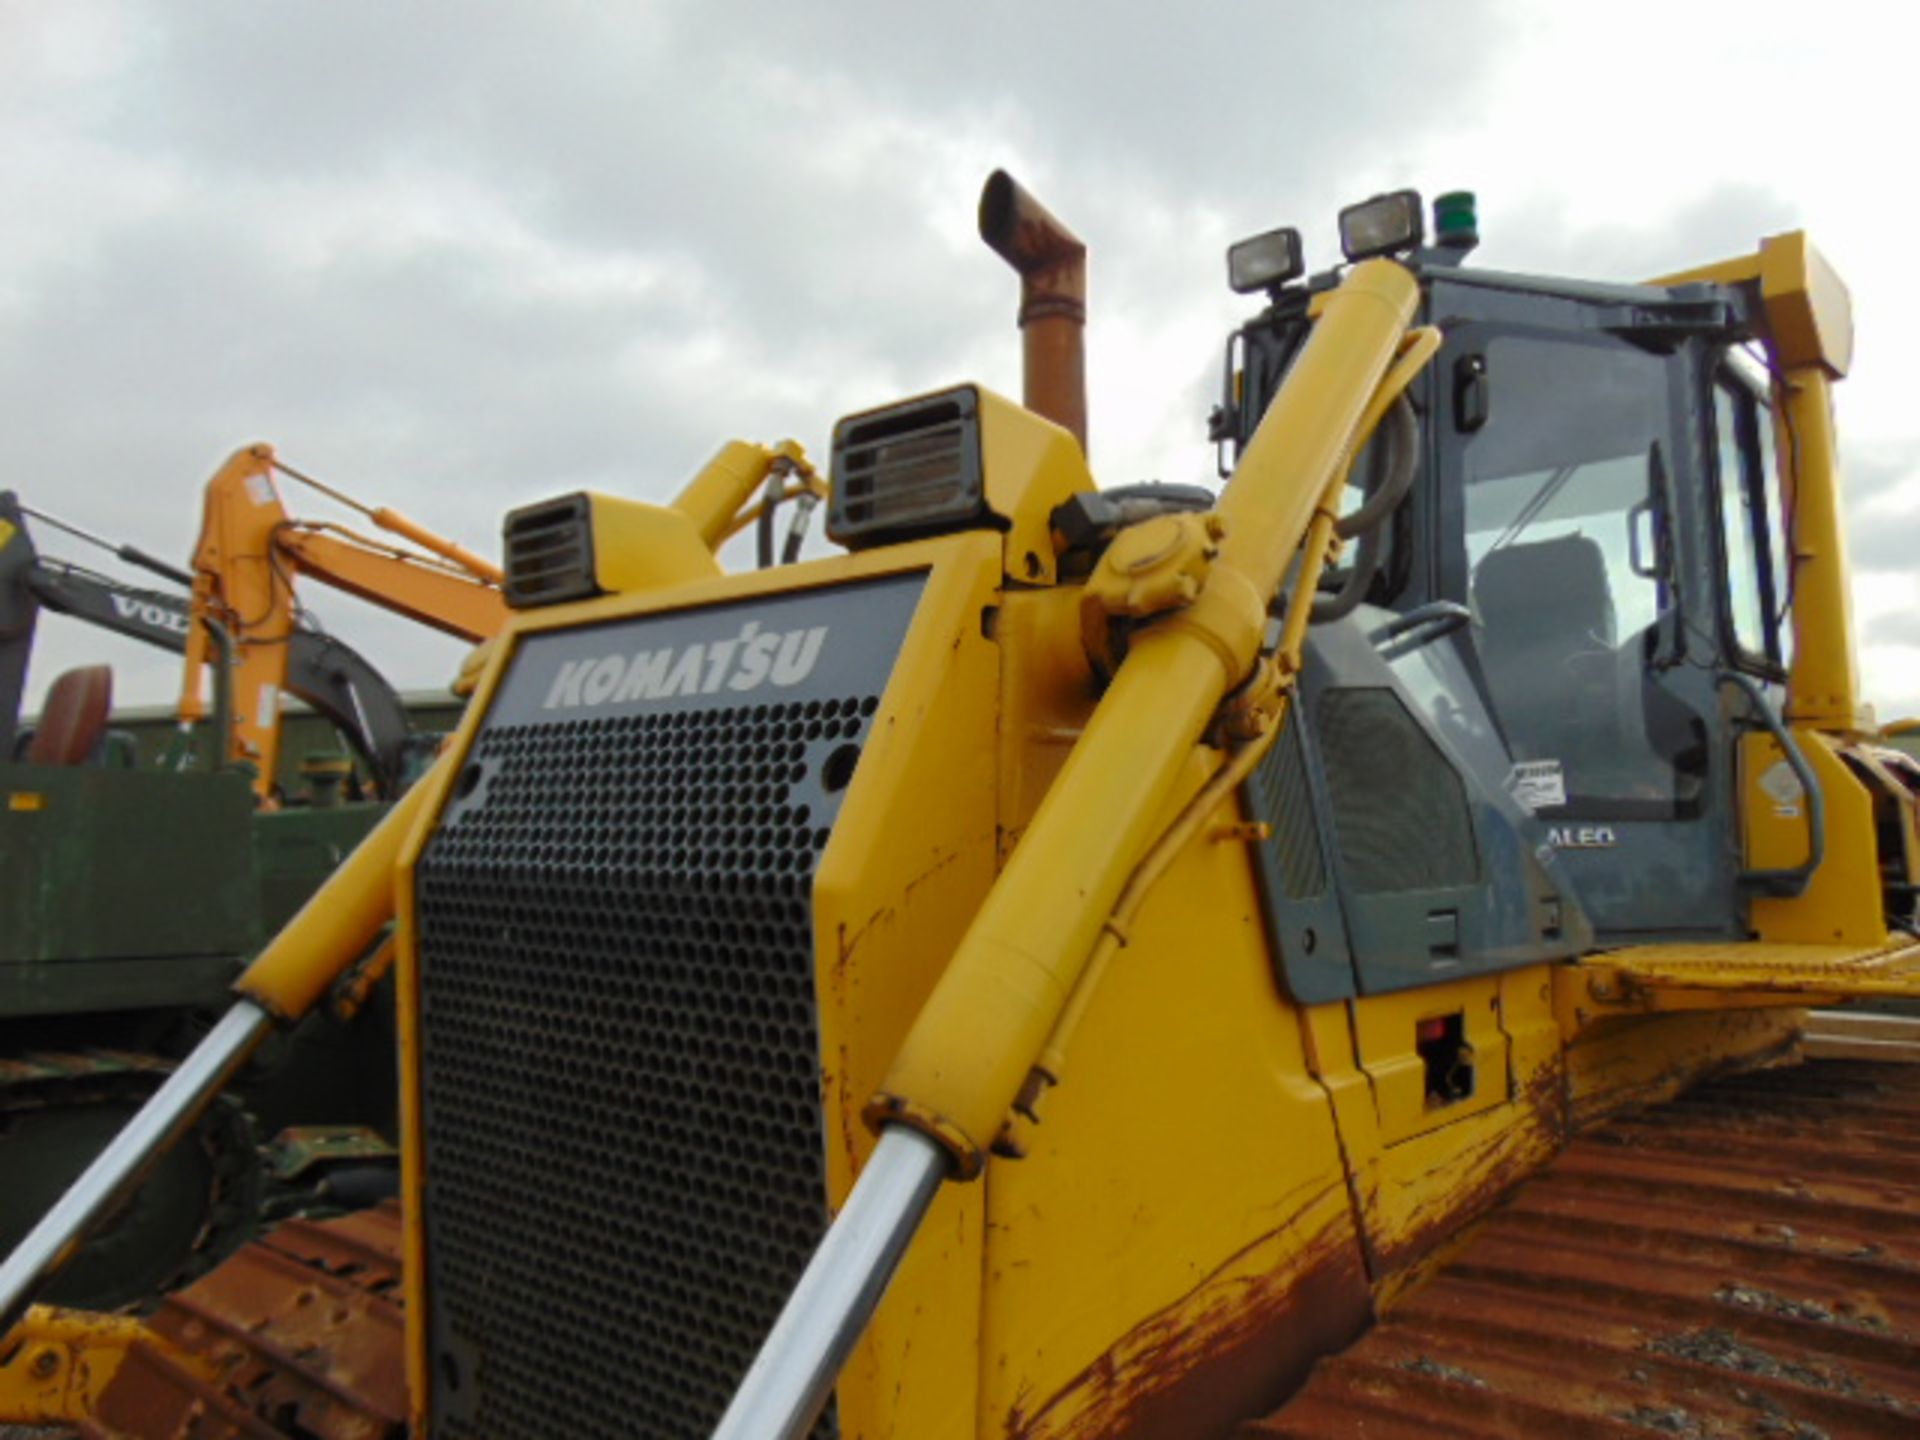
point(1399, 809)
point(1279, 789)
point(549, 550)
point(907, 470)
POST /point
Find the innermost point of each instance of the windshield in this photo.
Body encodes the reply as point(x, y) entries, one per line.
point(1566, 557)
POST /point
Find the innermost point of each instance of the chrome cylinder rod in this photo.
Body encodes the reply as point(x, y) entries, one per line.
point(158, 1123)
point(795, 1371)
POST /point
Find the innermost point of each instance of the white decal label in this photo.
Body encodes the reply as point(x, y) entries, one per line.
point(269, 706)
point(148, 613)
point(1783, 787)
point(748, 661)
point(261, 489)
point(1582, 837)
point(1537, 784)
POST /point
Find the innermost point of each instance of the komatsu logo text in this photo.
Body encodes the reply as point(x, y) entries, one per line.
point(752, 659)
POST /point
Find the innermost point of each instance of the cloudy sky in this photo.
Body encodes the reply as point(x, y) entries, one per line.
point(452, 258)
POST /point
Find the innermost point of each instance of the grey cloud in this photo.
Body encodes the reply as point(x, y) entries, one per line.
point(707, 130)
point(1723, 220)
point(802, 175)
point(1880, 535)
point(1213, 103)
point(1899, 628)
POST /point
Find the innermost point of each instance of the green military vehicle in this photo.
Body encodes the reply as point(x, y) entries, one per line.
point(135, 879)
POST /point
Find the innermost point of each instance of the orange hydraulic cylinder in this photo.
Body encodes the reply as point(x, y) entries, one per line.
point(413, 530)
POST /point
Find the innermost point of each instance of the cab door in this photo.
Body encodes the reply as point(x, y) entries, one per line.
point(1576, 462)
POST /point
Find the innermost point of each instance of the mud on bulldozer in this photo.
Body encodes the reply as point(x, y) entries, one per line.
point(1094, 962)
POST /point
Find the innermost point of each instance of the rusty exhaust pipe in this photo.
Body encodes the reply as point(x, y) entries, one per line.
point(1052, 262)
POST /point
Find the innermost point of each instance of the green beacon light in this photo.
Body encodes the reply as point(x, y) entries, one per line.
point(1456, 222)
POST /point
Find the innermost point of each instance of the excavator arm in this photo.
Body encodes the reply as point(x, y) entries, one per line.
point(246, 563)
point(328, 674)
point(450, 601)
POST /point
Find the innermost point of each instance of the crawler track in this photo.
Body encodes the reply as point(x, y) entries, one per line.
point(302, 1333)
point(1742, 1262)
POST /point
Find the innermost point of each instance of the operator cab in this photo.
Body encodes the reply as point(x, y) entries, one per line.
point(1592, 543)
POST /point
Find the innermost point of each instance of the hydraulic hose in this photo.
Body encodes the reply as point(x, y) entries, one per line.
point(763, 522)
point(1390, 471)
point(803, 507)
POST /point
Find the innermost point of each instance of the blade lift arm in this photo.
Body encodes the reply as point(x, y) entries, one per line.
point(1007, 1000)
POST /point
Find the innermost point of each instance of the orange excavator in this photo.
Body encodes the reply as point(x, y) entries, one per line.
point(250, 553)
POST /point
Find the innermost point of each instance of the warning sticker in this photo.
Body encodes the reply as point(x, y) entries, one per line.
point(261, 489)
point(1537, 784)
point(1783, 787)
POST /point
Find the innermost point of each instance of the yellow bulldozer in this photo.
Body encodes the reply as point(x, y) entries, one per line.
point(1136, 961)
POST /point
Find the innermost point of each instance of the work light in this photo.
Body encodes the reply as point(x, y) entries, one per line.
point(1382, 225)
point(1265, 261)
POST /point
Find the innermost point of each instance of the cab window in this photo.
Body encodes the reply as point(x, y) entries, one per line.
point(1569, 569)
point(1750, 529)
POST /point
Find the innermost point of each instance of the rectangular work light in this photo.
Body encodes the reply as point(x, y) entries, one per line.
point(1382, 225)
point(1265, 261)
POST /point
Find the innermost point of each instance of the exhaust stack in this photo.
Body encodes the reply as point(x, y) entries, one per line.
point(1052, 262)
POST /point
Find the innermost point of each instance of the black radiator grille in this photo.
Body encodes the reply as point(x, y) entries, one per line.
point(620, 1062)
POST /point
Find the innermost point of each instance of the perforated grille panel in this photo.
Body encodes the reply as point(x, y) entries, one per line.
point(620, 1055)
point(1399, 809)
point(1281, 796)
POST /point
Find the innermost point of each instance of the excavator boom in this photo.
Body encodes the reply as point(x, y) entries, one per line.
point(245, 563)
point(328, 674)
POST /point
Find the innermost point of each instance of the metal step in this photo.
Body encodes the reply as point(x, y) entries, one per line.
point(1892, 969)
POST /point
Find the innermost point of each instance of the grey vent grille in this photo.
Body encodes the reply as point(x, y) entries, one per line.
point(549, 553)
point(1399, 809)
point(909, 469)
point(620, 1062)
point(1281, 797)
